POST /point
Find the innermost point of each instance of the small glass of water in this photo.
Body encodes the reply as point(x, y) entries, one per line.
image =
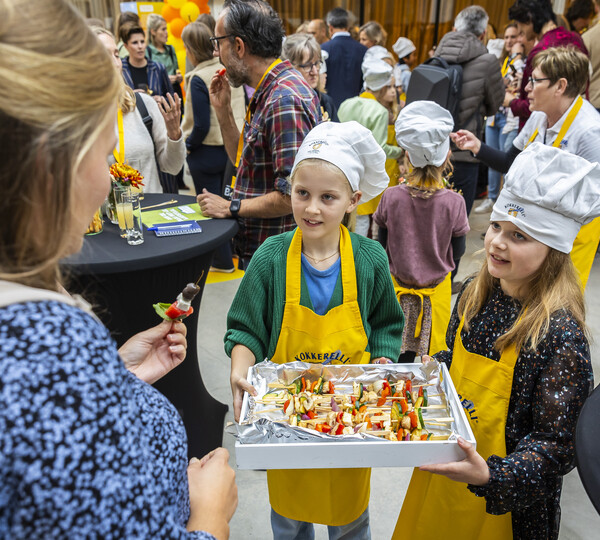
point(132, 216)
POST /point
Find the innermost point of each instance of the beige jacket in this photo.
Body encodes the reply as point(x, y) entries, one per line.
point(205, 71)
point(591, 38)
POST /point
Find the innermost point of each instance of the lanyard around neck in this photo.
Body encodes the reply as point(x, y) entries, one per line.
point(240, 147)
point(564, 128)
point(120, 155)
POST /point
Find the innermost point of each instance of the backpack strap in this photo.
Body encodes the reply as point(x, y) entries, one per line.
point(146, 118)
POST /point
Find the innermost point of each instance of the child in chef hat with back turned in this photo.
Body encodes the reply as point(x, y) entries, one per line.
point(520, 360)
point(423, 226)
point(323, 290)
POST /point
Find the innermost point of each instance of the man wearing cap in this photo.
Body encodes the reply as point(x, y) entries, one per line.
point(406, 51)
point(482, 88)
point(344, 75)
point(284, 108)
point(368, 110)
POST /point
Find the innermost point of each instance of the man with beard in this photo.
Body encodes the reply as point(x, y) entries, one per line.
point(283, 109)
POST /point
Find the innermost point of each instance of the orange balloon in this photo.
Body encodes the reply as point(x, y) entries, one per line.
point(202, 4)
point(177, 26)
point(176, 3)
point(169, 13)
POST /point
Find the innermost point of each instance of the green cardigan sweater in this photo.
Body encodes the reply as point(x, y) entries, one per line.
point(255, 316)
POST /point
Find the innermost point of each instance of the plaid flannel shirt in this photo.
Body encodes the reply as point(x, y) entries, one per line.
point(284, 109)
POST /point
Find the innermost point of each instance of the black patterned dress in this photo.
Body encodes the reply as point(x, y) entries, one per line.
point(549, 387)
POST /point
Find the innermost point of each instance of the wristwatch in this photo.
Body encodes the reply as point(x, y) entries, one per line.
point(234, 207)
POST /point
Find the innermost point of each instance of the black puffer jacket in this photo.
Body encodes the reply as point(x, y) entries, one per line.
point(482, 85)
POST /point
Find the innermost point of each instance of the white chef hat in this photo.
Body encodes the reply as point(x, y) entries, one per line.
point(376, 73)
point(403, 47)
point(353, 149)
point(378, 52)
point(423, 129)
point(549, 194)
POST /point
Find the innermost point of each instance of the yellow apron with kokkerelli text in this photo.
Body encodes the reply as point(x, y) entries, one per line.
point(328, 496)
point(441, 299)
point(484, 387)
point(586, 241)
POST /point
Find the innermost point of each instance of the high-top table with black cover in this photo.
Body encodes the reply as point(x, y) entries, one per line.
point(123, 282)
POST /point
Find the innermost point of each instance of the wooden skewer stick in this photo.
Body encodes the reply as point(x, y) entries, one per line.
point(161, 204)
point(277, 409)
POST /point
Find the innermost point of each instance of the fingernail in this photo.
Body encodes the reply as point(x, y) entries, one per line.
point(194, 460)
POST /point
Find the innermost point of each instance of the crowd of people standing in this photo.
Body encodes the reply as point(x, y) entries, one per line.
point(353, 204)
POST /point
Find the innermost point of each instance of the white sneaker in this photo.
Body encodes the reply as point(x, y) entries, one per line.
point(485, 206)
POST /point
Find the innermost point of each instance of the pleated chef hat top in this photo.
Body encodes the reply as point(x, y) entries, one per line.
point(376, 73)
point(423, 129)
point(403, 47)
point(378, 52)
point(352, 148)
point(549, 194)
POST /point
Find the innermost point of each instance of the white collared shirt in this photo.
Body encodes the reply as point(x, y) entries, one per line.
point(340, 33)
point(582, 138)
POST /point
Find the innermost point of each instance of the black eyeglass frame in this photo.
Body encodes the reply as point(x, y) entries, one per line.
point(215, 40)
point(533, 81)
point(308, 67)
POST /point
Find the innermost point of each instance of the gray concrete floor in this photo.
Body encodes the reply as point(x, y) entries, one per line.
point(388, 486)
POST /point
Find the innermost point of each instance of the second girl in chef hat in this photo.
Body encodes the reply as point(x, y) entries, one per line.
point(323, 292)
point(423, 226)
point(520, 361)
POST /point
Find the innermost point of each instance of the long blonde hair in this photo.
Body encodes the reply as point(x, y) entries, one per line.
point(554, 287)
point(429, 178)
point(58, 86)
point(154, 22)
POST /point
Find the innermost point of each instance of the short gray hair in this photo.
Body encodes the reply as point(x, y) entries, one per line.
point(473, 19)
point(295, 45)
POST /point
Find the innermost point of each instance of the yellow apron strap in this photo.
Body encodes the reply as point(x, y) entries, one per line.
point(505, 67)
point(564, 128)
point(120, 155)
point(441, 311)
point(349, 287)
point(584, 250)
point(293, 269)
point(415, 292)
point(248, 119)
point(568, 121)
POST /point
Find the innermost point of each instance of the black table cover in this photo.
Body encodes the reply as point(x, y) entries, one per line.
point(123, 282)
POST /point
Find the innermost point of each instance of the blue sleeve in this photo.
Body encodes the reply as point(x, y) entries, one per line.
point(72, 464)
point(201, 111)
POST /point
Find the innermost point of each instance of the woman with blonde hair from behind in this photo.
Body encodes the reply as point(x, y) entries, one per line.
point(89, 448)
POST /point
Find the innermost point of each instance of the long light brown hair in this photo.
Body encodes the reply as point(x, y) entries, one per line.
point(553, 288)
point(58, 87)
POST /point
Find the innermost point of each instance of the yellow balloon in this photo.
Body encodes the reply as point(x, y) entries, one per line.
point(189, 12)
point(176, 4)
point(177, 44)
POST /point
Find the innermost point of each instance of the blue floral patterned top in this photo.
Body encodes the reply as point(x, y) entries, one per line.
point(548, 390)
point(86, 448)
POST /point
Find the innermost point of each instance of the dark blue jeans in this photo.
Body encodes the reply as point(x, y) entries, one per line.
point(465, 180)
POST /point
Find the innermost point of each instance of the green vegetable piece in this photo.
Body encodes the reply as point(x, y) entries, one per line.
point(425, 400)
point(408, 397)
point(420, 416)
point(160, 309)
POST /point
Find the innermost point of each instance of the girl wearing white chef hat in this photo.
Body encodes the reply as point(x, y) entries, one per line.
point(324, 295)
point(375, 109)
point(519, 359)
point(422, 225)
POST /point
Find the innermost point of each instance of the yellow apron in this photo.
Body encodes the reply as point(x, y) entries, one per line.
point(586, 242)
point(328, 496)
point(484, 386)
point(440, 297)
point(392, 168)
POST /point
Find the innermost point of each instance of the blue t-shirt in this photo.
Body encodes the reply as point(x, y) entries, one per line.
point(320, 283)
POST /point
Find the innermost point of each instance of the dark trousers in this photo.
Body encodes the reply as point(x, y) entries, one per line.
point(465, 180)
point(210, 177)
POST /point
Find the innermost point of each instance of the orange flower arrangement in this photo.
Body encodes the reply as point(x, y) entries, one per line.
point(125, 175)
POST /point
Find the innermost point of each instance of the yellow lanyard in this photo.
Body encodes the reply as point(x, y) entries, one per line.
point(120, 156)
point(565, 127)
point(248, 119)
point(506, 65)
